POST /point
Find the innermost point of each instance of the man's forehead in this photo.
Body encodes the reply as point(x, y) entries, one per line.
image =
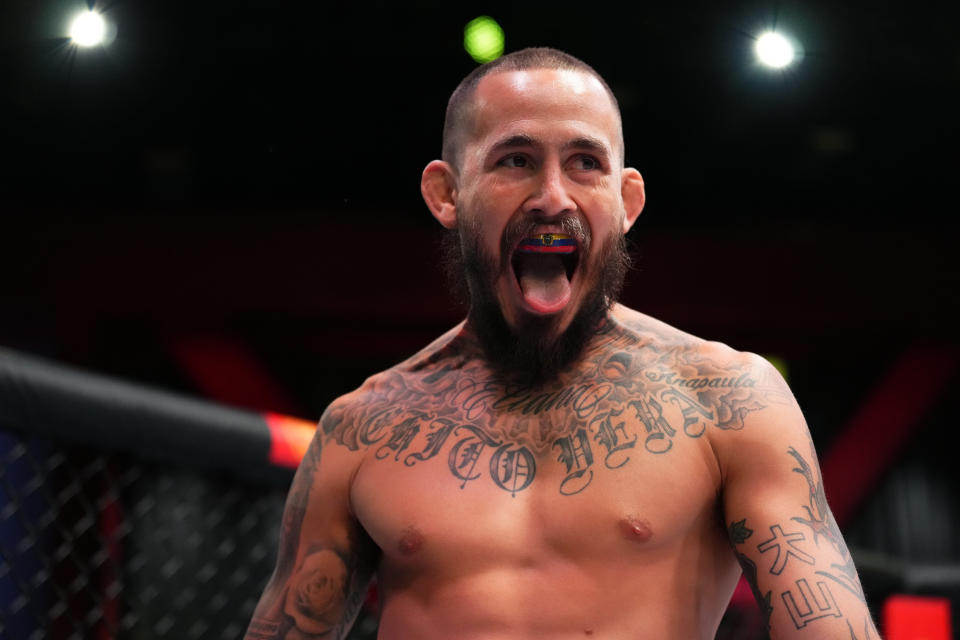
point(574, 82)
point(573, 96)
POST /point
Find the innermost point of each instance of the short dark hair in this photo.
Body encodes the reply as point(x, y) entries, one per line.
point(459, 108)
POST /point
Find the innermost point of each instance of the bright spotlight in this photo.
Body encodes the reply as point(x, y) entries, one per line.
point(88, 29)
point(483, 39)
point(774, 50)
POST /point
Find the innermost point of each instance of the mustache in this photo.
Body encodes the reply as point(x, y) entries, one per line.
point(524, 226)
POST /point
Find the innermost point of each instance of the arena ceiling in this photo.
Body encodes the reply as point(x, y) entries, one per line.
point(206, 108)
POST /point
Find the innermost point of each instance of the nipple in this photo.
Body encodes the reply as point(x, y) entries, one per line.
point(410, 542)
point(636, 529)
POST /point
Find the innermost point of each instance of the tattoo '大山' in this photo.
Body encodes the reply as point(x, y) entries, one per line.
point(627, 398)
point(806, 604)
point(785, 546)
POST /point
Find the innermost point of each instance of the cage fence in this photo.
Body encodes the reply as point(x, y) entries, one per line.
point(115, 542)
point(96, 545)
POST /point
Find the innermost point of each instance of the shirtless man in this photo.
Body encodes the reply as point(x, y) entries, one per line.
point(557, 465)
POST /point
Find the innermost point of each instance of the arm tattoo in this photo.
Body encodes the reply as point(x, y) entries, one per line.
point(822, 524)
point(806, 604)
point(811, 598)
point(785, 545)
point(739, 532)
point(324, 591)
point(315, 594)
point(762, 599)
point(867, 635)
point(296, 507)
point(819, 518)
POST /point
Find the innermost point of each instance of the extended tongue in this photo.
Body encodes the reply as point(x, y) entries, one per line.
point(543, 281)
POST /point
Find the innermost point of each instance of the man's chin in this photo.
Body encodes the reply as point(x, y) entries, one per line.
point(539, 319)
point(534, 348)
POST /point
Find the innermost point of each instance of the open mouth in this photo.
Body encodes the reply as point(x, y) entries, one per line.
point(544, 264)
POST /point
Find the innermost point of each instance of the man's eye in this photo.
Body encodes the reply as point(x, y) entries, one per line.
point(515, 162)
point(586, 163)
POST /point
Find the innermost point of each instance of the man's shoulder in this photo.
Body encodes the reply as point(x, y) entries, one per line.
point(643, 330)
point(682, 349)
point(453, 350)
point(408, 383)
point(729, 388)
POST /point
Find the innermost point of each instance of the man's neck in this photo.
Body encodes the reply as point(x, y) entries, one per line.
point(534, 360)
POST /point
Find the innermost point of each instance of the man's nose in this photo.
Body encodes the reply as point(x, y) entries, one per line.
point(551, 197)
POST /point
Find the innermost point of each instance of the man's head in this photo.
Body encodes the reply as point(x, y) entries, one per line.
point(533, 145)
point(460, 120)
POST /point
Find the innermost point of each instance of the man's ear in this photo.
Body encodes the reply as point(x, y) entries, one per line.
point(438, 184)
point(634, 197)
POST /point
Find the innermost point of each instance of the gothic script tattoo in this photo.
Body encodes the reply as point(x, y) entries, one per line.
point(632, 394)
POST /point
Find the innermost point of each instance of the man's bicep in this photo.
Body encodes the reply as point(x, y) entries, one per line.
point(325, 559)
point(786, 540)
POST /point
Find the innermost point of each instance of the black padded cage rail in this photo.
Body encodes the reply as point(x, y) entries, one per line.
point(128, 512)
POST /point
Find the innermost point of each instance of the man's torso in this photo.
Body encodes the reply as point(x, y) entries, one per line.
point(587, 507)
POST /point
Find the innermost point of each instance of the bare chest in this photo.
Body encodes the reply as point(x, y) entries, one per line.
point(523, 478)
point(618, 453)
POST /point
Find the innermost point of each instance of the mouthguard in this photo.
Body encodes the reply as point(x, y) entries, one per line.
point(548, 243)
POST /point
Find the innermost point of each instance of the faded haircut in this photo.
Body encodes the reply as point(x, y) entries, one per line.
point(459, 118)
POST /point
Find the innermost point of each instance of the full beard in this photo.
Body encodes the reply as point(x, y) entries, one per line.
point(532, 353)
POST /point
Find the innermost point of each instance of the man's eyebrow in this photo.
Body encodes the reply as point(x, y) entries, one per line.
point(519, 140)
point(585, 143)
point(588, 144)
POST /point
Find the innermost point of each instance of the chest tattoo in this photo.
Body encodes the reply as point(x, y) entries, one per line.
point(621, 403)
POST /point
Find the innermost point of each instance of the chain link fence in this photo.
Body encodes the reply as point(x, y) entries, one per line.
point(110, 544)
point(96, 545)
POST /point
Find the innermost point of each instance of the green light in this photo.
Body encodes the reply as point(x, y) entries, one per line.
point(779, 364)
point(483, 39)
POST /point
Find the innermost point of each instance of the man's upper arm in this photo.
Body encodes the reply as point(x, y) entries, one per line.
point(781, 529)
point(325, 560)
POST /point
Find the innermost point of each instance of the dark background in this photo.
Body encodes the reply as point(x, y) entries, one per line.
point(225, 200)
